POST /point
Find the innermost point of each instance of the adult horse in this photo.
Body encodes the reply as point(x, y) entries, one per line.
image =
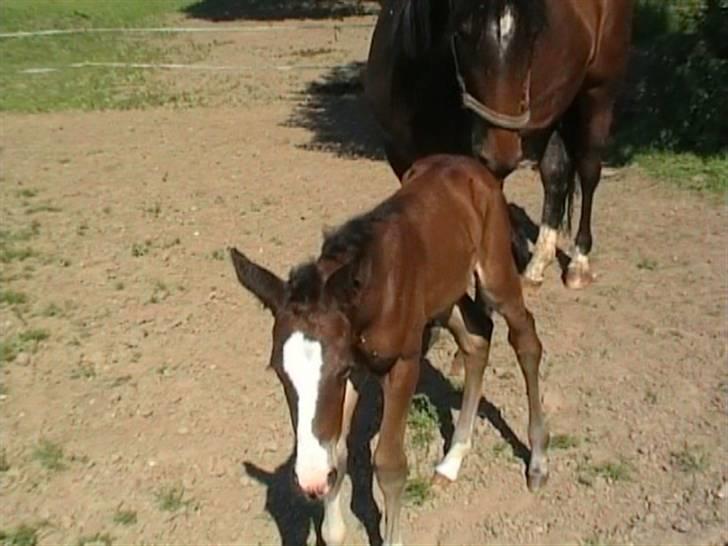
point(492, 77)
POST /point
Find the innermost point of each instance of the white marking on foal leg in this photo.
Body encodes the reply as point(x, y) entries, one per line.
point(450, 465)
point(333, 528)
point(302, 362)
point(543, 254)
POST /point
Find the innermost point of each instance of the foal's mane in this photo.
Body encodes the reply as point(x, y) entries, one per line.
point(345, 244)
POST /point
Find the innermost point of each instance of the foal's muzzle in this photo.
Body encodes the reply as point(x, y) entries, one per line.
point(317, 489)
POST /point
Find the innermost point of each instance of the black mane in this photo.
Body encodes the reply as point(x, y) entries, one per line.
point(346, 243)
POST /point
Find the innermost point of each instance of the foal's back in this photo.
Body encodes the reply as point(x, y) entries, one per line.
point(454, 220)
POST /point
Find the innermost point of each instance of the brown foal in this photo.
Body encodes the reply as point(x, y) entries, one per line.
point(365, 302)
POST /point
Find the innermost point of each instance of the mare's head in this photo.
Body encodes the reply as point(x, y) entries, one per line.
point(312, 356)
point(492, 42)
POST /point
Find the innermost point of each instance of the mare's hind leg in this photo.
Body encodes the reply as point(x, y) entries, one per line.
point(557, 176)
point(505, 292)
point(595, 109)
point(472, 329)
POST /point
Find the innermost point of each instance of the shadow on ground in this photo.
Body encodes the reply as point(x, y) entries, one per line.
point(294, 515)
point(275, 10)
point(333, 109)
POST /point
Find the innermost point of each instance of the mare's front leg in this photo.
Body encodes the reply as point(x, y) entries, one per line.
point(333, 528)
point(472, 329)
point(557, 176)
point(390, 460)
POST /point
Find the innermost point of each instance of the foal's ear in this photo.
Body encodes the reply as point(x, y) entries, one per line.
point(266, 286)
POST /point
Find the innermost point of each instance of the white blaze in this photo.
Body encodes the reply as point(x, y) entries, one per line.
point(302, 362)
point(507, 25)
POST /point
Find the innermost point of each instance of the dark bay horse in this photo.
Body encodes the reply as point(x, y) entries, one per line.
point(476, 76)
point(365, 302)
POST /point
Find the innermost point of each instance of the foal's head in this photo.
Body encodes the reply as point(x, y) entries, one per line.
point(312, 356)
point(492, 43)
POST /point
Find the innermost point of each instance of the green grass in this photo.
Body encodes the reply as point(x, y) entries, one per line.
point(81, 88)
point(422, 421)
point(4, 464)
point(125, 517)
point(691, 459)
point(49, 455)
point(23, 535)
point(612, 471)
point(417, 490)
point(171, 498)
point(11, 297)
point(563, 441)
point(99, 539)
point(687, 170)
point(25, 341)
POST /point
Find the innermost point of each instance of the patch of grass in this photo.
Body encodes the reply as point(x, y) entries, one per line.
point(35, 335)
point(27, 193)
point(82, 229)
point(11, 297)
point(154, 210)
point(4, 464)
point(218, 254)
point(84, 370)
point(422, 420)
point(23, 535)
point(159, 293)
point(12, 254)
point(688, 170)
point(691, 459)
point(49, 455)
point(417, 490)
point(564, 441)
point(125, 517)
point(650, 396)
point(171, 498)
point(612, 471)
point(52, 310)
point(141, 249)
point(43, 207)
point(89, 88)
point(99, 539)
point(647, 264)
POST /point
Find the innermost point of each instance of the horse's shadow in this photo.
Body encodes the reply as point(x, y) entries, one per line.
point(294, 515)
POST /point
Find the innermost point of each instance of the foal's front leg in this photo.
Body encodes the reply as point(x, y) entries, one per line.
point(333, 528)
point(390, 460)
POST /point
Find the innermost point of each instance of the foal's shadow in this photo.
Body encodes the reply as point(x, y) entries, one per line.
point(524, 229)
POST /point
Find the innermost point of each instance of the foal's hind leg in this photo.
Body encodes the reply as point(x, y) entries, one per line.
point(472, 329)
point(505, 292)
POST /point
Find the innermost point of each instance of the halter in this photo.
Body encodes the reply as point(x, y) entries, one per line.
point(504, 121)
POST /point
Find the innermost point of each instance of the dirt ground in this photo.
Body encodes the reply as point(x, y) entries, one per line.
point(153, 374)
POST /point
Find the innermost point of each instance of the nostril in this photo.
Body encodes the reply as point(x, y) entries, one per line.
point(331, 477)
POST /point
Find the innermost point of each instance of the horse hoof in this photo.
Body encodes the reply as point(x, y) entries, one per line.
point(439, 481)
point(578, 278)
point(530, 285)
point(536, 481)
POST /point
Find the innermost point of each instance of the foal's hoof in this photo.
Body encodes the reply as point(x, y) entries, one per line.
point(439, 481)
point(578, 277)
point(536, 480)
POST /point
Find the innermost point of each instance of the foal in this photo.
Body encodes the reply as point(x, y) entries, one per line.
point(365, 301)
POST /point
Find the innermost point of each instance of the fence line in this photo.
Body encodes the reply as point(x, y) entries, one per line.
point(177, 66)
point(172, 30)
